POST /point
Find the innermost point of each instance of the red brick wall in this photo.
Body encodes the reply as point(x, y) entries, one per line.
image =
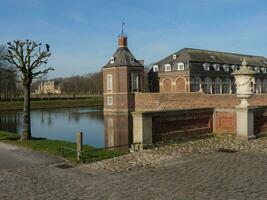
point(184, 123)
point(225, 122)
point(172, 101)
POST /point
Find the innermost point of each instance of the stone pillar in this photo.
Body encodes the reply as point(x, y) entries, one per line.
point(142, 128)
point(245, 123)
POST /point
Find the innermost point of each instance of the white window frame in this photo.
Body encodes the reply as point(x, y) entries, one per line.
point(206, 66)
point(155, 68)
point(112, 60)
point(180, 66)
point(135, 81)
point(264, 70)
point(234, 67)
point(109, 83)
point(168, 68)
point(226, 67)
point(257, 69)
point(109, 101)
point(216, 67)
point(174, 56)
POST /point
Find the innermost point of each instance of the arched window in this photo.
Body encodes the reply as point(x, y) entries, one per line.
point(227, 86)
point(264, 86)
point(218, 86)
point(168, 68)
point(195, 85)
point(258, 86)
point(207, 86)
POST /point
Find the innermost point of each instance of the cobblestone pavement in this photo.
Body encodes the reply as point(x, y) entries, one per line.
point(155, 156)
point(213, 175)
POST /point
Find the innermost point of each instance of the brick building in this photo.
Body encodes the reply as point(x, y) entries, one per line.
point(193, 70)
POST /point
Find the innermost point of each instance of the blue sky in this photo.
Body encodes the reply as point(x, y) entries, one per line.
point(83, 33)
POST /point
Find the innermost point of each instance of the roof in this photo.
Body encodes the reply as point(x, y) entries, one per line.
point(207, 56)
point(122, 58)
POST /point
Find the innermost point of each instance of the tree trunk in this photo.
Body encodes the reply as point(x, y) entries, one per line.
point(26, 135)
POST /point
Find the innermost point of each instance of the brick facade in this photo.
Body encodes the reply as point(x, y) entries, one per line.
point(225, 122)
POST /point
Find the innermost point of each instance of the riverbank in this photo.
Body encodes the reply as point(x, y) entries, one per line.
point(55, 147)
point(48, 104)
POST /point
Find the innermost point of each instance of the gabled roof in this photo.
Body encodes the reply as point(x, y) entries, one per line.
point(200, 55)
point(123, 58)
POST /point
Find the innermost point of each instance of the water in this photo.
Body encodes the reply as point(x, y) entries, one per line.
point(61, 124)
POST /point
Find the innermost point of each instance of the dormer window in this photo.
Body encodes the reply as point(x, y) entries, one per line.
point(234, 67)
point(216, 67)
point(132, 59)
point(168, 68)
point(226, 67)
point(250, 67)
point(180, 66)
point(206, 66)
point(112, 60)
point(263, 69)
point(155, 68)
point(174, 56)
point(257, 69)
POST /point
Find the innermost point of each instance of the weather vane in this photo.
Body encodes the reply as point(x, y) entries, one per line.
point(122, 27)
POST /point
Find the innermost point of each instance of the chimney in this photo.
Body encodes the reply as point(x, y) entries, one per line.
point(122, 40)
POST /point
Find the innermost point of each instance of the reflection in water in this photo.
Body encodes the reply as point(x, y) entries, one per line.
point(118, 130)
point(62, 124)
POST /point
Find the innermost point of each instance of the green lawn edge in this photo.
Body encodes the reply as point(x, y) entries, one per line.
point(54, 148)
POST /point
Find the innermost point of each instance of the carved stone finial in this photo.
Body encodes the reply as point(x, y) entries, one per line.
point(244, 62)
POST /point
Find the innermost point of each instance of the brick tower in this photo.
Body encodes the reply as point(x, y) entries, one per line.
point(123, 75)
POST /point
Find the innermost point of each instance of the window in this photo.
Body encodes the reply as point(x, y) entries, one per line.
point(226, 67)
point(155, 68)
point(258, 86)
point(112, 60)
point(180, 66)
point(195, 84)
point(132, 59)
point(257, 69)
point(218, 86)
point(134, 82)
point(227, 86)
point(234, 67)
point(109, 83)
point(207, 85)
point(263, 69)
point(216, 67)
point(168, 68)
point(206, 66)
point(174, 56)
point(110, 101)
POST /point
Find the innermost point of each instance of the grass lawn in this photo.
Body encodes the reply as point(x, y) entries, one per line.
point(54, 147)
point(45, 104)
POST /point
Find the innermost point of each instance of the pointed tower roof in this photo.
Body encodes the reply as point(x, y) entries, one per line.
point(123, 56)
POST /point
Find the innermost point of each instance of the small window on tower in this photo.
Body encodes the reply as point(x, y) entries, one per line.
point(174, 56)
point(135, 84)
point(109, 83)
point(110, 101)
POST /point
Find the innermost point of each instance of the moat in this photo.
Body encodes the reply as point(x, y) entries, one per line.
point(60, 124)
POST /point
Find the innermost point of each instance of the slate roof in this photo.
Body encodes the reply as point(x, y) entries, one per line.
point(207, 56)
point(123, 57)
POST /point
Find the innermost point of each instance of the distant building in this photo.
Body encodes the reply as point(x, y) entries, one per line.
point(49, 87)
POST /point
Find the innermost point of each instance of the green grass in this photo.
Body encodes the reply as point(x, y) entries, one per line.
point(54, 147)
point(46, 104)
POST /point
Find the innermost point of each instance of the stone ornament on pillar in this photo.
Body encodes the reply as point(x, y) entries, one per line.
point(245, 82)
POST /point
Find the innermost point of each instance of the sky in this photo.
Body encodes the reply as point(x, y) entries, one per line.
point(82, 34)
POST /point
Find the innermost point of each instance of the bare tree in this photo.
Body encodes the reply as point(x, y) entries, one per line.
point(30, 60)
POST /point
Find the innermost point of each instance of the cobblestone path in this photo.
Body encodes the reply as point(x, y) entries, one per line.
point(215, 175)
